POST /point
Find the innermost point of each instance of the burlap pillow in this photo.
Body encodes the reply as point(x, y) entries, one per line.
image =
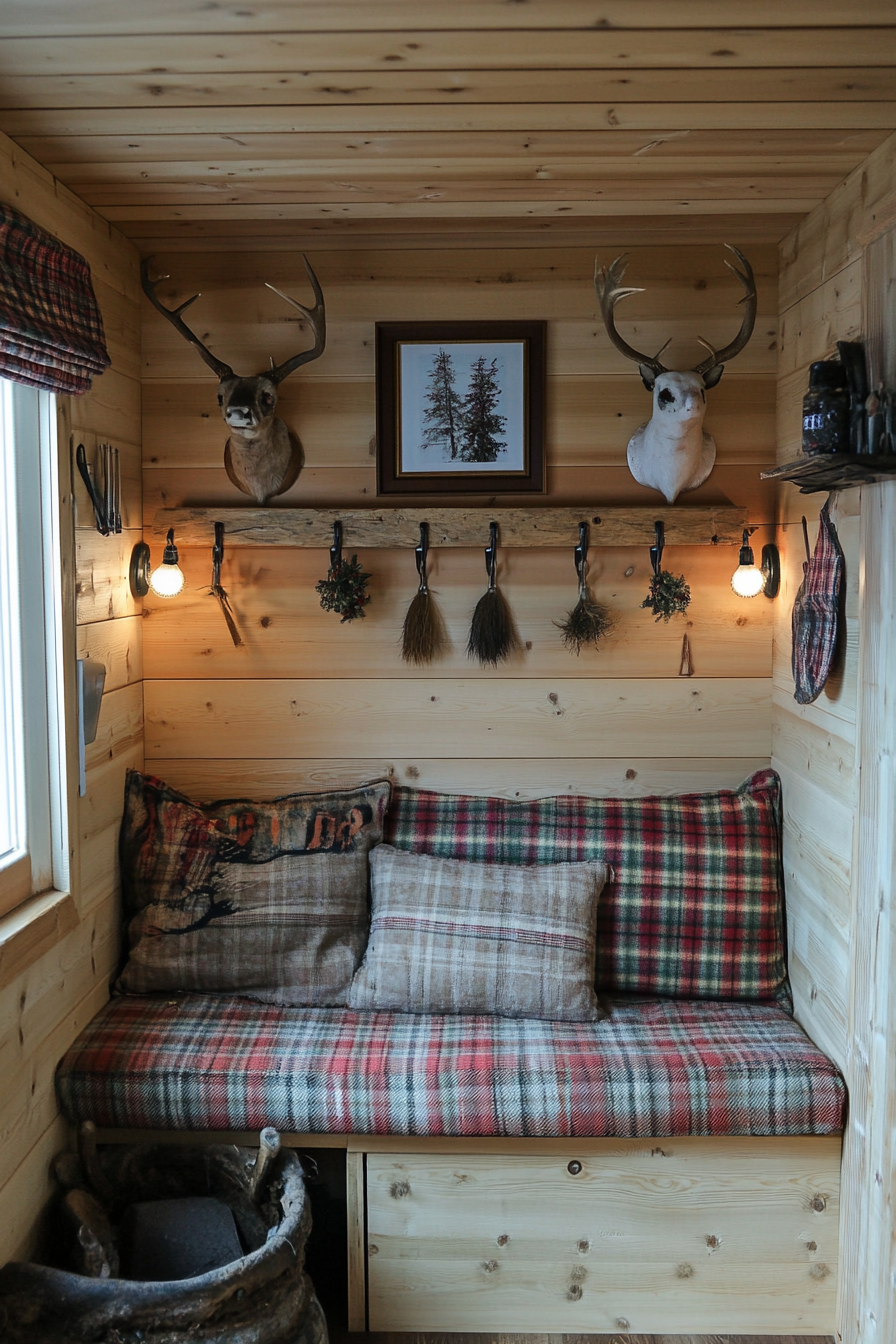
point(454, 937)
point(268, 900)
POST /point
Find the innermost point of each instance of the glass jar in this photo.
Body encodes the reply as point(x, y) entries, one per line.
point(826, 409)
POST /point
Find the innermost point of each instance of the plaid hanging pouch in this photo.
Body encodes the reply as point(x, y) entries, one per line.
point(815, 613)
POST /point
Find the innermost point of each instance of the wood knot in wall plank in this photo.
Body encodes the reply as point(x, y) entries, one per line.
point(574, 1293)
point(398, 1189)
point(684, 1272)
point(489, 1266)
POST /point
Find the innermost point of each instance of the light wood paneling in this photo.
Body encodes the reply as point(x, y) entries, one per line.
point(593, 48)
point(501, 717)
point(728, 1243)
point(116, 644)
point(283, 628)
point(344, 487)
point(173, 16)
point(212, 778)
point(62, 960)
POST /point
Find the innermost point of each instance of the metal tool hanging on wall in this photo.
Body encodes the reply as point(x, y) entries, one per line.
point(493, 633)
point(217, 590)
point(588, 621)
point(103, 486)
point(423, 632)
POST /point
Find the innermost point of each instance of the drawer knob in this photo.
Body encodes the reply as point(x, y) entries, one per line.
point(574, 1168)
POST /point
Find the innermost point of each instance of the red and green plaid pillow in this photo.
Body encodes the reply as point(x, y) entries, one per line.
point(694, 907)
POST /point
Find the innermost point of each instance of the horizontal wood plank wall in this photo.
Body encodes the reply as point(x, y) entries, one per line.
point(837, 917)
point(45, 1006)
point(308, 699)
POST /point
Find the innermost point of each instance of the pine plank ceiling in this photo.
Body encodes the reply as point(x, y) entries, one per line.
point(200, 123)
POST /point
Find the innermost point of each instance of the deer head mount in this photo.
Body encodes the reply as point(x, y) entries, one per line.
point(262, 457)
point(671, 452)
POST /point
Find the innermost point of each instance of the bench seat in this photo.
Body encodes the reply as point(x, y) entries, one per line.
point(657, 1067)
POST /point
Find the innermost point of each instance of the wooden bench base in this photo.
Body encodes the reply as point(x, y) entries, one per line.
point(591, 1236)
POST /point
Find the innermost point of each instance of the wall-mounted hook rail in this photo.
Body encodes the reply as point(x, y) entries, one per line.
point(684, 525)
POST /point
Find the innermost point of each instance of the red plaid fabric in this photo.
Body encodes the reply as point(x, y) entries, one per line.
point(816, 611)
point(694, 906)
point(51, 330)
point(652, 1068)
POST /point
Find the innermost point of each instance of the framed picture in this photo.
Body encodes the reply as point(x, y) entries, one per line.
point(459, 407)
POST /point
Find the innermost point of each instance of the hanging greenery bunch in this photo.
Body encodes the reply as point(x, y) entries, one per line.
point(344, 590)
point(667, 595)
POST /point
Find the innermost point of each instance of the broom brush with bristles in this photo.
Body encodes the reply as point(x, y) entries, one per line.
point(423, 633)
point(493, 633)
point(589, 621)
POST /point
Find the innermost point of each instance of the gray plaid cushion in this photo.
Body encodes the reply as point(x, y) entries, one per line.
point(454, 937)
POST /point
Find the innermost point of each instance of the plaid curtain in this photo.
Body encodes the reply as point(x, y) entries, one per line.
point(51, 331)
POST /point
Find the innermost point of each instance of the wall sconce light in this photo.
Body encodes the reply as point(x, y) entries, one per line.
point(750, 579)
point(167, 579)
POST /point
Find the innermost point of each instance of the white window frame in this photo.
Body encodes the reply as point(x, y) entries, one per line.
point(33, 783)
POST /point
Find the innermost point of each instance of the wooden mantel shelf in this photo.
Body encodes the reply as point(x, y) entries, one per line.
point(685, 525)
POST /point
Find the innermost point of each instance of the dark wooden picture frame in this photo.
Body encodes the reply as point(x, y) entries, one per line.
point(501, 369)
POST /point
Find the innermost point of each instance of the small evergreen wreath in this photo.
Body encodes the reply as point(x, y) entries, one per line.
point(667, 596)
point(344, 590)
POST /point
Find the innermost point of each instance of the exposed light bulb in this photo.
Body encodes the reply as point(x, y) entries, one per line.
point(747, 580)
point(167, 579)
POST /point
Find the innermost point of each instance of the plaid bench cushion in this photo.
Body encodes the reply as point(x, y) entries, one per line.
point(694, 908)
point(657, 1067)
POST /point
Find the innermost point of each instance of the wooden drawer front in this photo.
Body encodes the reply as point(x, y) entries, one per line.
point(678, 1235)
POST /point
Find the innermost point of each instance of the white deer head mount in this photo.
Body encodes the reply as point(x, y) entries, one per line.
point(671, 452)
point(262, 457)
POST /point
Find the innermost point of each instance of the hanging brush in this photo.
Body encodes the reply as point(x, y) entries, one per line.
point(423, 633)
point(589, 621)
point(492, 631)
point(217, 590)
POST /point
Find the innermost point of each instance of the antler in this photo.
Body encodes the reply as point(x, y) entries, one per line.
point(317, 320)
point(174, 317)
point(747, 279)
point(608, 285)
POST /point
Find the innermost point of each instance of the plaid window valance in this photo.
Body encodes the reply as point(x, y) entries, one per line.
point(51, 331)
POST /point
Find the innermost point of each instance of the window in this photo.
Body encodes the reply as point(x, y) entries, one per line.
point(33, 842)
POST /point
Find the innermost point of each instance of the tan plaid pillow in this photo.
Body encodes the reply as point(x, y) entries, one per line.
point(268, 900)
point(454, 937)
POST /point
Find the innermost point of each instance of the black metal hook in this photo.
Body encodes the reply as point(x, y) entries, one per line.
point(491, 554)
point(217, 555)
point(99, 508)
point(421, 551)
point(656, 550)
point(581, 552)
point(336, 548)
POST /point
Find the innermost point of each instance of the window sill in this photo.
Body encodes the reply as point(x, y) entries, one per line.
point(33, 929)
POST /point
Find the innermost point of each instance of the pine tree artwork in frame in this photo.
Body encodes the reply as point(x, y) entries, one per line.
point(460, 407)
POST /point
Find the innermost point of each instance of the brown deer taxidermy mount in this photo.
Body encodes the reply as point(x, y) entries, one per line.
point(262, 457)
point(671, 452)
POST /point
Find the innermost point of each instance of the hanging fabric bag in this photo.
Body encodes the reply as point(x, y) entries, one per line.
point(816, 613)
